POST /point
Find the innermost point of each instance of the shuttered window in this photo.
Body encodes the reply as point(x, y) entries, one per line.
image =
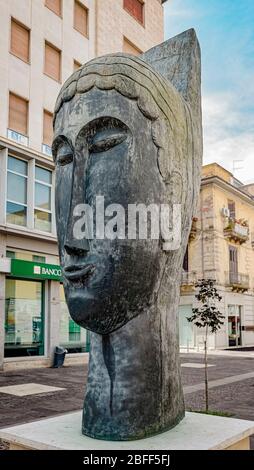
point(47, 128)
point(76, 65)
point(55, 6)
point(80, 18)
point(231, 207)
point(20, 41)
point(52, 62)
point(129, 48)
point(135, 8)
point(18, 114)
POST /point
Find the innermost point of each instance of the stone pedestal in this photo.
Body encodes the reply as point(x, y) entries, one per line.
point(195, 432)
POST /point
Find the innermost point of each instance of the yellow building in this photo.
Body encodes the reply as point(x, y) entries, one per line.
point(41, 43)
point(221, 247)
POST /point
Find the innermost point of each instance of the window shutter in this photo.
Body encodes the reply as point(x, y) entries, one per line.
point(231, 207)
point(47, 128)
point(52, 62)
point(135, 8)
point(18, 114)
point(80, 18)
point(129, 48)
point(20, 39)
point(55, 6)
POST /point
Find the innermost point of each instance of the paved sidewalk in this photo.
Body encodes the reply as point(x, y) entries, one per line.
point(231, 390)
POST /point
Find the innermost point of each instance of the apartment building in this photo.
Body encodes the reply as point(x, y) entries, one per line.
point(221, 247)
point(41, 43)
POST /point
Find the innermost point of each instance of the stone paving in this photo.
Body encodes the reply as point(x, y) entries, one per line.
point(236, 397)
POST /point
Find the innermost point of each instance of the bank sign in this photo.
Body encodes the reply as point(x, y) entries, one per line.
point(31, 270)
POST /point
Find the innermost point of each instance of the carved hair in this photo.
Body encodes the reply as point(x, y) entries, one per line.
point(156, 98)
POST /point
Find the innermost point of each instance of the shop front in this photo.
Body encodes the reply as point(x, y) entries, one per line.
point(24, 318)
point(36, 321)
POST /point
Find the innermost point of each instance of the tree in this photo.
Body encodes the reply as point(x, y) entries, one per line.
point(207, 316)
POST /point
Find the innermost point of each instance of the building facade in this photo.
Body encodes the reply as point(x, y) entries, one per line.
point(221, 247)
point(41, 43)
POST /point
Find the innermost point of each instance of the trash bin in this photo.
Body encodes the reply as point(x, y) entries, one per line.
point(59, 356)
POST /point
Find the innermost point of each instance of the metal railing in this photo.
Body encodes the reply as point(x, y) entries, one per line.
point(238, 279)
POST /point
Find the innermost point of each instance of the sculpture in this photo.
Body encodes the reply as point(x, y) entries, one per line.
point(129, 129)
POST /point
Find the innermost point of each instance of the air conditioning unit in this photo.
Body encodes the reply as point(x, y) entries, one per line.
point(225, 212)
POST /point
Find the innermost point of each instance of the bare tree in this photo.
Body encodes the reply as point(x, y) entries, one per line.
point(207, 316)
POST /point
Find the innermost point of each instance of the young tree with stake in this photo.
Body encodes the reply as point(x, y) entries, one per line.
point(207, 316)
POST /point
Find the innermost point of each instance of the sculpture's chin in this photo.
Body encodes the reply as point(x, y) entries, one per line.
point(97, 314)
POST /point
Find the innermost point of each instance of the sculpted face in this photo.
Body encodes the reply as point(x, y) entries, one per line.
point(103, 146)
point(128, 133)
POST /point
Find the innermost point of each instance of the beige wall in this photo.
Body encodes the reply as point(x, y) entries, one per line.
point(114, 23)
point(108, 24)
point(210, 248)
point(28, 80)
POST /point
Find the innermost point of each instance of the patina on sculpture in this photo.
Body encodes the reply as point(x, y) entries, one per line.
point(129, 129)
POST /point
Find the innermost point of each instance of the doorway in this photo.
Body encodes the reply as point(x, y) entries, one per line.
point(234, 325)
point(24, 318)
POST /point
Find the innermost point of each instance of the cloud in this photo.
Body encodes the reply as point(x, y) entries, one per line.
point(228, 134)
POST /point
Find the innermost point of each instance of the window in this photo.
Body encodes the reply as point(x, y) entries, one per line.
point(80, 18)
point(42, 203)
point(231, 208)
point(16, 205)
point(47, 128)
point(52, 62)
point(135, 8)
point(20, 41)
point(55, 6)
point(76, 65)
point(18, 114)
point(39, 259)
point(129, 48)
point(25, 256)
point(233, 265)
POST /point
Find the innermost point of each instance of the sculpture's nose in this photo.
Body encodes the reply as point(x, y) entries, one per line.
point(76, 247)
point(73, 245)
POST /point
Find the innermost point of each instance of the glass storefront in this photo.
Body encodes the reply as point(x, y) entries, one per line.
point(24, 318)
point(72, 336)
point(234, 325)
point(186, 332)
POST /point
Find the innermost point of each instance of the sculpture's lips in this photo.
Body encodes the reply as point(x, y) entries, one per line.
point(77, 272)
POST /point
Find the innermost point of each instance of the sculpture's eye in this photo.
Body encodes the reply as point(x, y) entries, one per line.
point(63, 154)
point(106, 139)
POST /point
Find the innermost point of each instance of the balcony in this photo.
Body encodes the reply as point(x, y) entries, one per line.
point(188, 281)
point(17, 137)
point(46, 149)
point(238, 282)
point(237, 231)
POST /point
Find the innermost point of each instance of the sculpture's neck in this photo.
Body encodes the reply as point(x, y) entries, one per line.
point(134, 387)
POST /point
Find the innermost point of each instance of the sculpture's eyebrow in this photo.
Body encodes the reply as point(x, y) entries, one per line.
point(104, 139)
point(103, 134)
point(61, 144)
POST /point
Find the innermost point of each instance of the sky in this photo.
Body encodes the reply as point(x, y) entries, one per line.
point(225, 30)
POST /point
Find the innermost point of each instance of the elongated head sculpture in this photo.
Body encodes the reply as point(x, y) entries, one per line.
point(128, 141)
